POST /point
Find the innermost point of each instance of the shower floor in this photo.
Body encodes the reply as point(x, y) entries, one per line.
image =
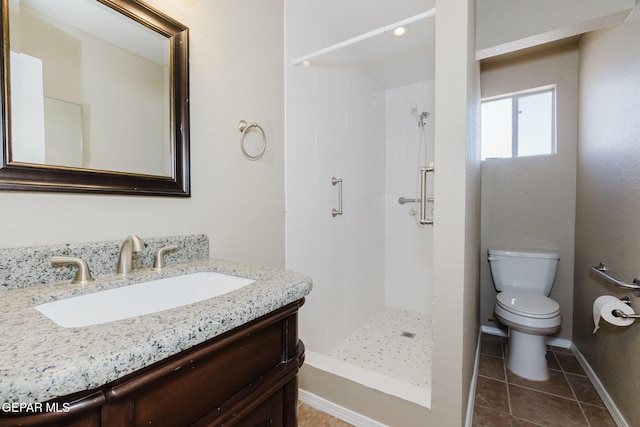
point(384, 345)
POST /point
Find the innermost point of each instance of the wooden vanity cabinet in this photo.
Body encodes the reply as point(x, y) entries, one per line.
point(245, 377)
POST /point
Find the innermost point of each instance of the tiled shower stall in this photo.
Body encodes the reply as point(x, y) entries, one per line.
point(340, 122)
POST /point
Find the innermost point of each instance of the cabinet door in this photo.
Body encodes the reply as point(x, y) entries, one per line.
point(268, 414)
point(196, 386)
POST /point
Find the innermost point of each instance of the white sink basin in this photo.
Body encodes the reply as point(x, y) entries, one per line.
point(140, 299)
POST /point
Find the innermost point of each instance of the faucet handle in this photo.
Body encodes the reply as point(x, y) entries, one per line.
point(83, 275)
point(159, 261)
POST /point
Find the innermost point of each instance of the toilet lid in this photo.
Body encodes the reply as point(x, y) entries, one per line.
point(537, 306)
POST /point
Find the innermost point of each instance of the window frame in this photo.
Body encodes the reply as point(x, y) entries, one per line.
point(515, 96)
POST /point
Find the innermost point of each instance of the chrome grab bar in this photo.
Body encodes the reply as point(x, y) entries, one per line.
point(403, 200)
point(423, 192)
point(335, 212)
point(601, 270)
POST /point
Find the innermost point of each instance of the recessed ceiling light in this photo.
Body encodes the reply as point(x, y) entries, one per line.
point(400, 31)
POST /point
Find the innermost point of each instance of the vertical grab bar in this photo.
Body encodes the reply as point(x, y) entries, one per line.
point(423, 195)
point(335, 212)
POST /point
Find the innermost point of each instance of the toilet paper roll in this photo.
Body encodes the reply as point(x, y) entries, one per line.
point(603, 308)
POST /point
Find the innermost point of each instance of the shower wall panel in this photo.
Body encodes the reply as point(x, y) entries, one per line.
point(408, 246)
point(335, 127)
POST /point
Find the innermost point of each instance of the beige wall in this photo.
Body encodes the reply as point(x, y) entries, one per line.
point(608, 203)
point(140, 131)
point(456, 211)
point(236, 71)
point(60, 53)
point(529, 202)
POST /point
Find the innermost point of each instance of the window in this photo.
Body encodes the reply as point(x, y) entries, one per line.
point(518, 125)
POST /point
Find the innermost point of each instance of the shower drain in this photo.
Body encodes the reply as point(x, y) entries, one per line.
point(408, 334)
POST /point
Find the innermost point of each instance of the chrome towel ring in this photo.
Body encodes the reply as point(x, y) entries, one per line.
point(244, 127)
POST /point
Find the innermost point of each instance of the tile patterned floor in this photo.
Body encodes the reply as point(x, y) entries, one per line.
point(504, 399)
point(380, 346)
point(311, 417)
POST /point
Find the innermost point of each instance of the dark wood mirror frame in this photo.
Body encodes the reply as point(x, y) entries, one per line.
point(40, 178)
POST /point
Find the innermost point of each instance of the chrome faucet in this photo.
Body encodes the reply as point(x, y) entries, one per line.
point(131, 244)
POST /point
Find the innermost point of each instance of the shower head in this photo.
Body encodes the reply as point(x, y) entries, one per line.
point(413, 110)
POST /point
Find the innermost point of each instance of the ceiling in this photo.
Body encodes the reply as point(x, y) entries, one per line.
point(393, 61)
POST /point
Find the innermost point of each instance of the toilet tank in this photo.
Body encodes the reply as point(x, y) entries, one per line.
point(530, 272)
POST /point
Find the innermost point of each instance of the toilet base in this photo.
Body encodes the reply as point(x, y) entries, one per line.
point(527, 355)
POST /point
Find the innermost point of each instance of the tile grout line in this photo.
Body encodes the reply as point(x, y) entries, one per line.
point(583, 406)
point(505, 373)
point(566, 378)
point(541, 391)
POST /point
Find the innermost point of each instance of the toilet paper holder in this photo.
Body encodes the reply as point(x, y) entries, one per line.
point(601, 270)
point(622, 314)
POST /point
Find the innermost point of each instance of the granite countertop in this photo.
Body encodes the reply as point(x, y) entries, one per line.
point(40, 360)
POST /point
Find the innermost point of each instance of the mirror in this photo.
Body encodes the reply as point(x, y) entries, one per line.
point(95, 98)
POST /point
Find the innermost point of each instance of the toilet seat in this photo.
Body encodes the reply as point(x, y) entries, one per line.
point(531, 306)
point(531, 314)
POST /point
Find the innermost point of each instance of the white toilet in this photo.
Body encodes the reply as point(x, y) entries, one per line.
point(523, 280)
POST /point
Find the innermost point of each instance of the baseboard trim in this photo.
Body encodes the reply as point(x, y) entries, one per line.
point(556, 342)
point(340, 412)
point(474, 383)
point(492, 330)
point(608, 402)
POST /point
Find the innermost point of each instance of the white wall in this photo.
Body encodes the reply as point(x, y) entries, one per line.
point(335, 127)
point(408, 246)
point(27, 108)
point(236, 72)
